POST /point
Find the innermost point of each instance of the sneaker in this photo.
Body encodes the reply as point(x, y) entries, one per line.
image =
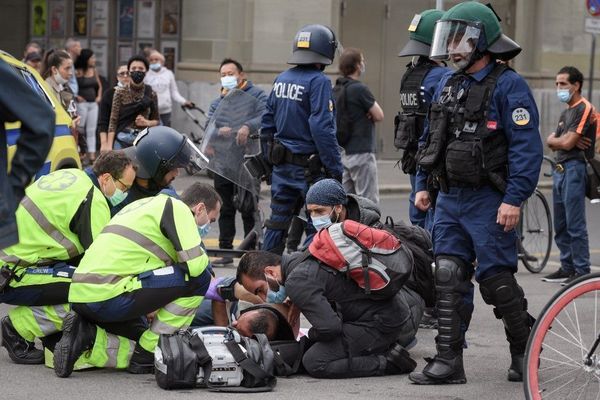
point(19, 350)
point(429, 319)
point(223, 262)
point(78, 336)
point(571, 278)
point(141, 362)
point(558, 276)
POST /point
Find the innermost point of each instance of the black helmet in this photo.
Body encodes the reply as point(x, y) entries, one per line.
point(314, 44)
point(161, 149)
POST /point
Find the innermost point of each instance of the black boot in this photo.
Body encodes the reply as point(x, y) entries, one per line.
point(19, 350)
point(452, 281)
point(503, 292)
point(78, 337)
point(398, 361)
point(141, 362)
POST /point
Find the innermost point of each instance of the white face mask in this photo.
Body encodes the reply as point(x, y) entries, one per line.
point(229, 82)
point(59, 79)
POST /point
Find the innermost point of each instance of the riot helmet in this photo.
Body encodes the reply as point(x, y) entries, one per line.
point(158, 150)
point(314, 44)
point(467, 31)
point(421, 33)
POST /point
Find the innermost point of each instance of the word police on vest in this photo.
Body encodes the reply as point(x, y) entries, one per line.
point(408, 99)
point(290, 91)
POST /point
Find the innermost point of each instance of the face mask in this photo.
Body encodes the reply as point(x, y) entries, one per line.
point(155, 66)
point(204, 229)
point(322, 221)
point(362, 68)
point(564, 95)
point(117, 197)
point(229, 82)
point(59, 79)
point(137, 76)
point(278, 297)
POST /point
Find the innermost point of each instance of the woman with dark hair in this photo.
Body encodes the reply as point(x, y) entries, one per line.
point(57, 69)
point(88, 97)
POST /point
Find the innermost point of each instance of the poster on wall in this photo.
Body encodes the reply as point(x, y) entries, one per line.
point(145, 18)
point(169, 50)
point(99, 18)
point(100, 49)
point(124, 53)
point(39, 15)
point(56, 11)
point(169, 17)
point(126, 18)
point(80, 18)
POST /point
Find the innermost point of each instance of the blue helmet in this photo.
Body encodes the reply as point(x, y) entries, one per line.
point(314, 44)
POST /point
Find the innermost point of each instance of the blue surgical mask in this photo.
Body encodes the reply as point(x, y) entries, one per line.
point(204, 229)
point(117, 197)
point(564, 95)
point(322, 221)
point(229, 82)
point(276, 297)
point(155, 66)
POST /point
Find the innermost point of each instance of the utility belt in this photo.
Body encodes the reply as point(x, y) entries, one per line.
point(313, 167)
point(7, 274)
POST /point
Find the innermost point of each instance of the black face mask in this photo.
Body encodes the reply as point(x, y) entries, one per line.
point(137, 76)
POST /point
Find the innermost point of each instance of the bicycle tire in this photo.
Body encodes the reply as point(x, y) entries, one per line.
point(545, 324)
point(530, 224)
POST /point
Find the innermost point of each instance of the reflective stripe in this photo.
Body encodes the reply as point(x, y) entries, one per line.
point(140, 240)
point(47, 327)
point(176, 309)
point(96, 279)
point(12, 259)
point(61, 312)
point(158, 327)
point(186, 255)
point(112, 349)
point(51, 230)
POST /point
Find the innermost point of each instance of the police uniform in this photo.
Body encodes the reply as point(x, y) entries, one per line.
point(58, 219)
point(482, 149)
point(299, 133)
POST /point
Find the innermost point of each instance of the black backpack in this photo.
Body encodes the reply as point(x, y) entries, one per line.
point(418, 240)
point(343, 118)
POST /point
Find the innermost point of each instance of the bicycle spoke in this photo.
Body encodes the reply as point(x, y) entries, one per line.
point(583, 351)
point(595, 312)
point(583, 388)
point(578, 345)
point(561, 386)
point(561, 375)
point(566, 330)
point(565, 356)
point(559, 363)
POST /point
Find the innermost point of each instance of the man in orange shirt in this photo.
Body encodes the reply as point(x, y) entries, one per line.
point(570, 143)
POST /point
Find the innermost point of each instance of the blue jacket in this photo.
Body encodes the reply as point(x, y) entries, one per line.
point(18, 102)
point(525, 149)
point(301, 115)
point(253, 124)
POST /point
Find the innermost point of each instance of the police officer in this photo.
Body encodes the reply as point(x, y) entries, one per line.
point(416, 90)
point(58, 219)
point(298, 130)
point(484, 153)
point(149, 257)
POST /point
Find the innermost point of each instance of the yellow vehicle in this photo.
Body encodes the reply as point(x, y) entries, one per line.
point(63, 153)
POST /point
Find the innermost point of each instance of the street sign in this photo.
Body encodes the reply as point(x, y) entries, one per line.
point(593, 7)
point(592, 25)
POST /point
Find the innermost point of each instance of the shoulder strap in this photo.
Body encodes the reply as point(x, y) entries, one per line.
point(284, 368)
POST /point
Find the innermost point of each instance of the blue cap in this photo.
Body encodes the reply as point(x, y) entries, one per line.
point(326, 192)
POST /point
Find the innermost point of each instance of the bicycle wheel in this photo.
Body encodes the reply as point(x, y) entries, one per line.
point(556, 360)
point(536, 232)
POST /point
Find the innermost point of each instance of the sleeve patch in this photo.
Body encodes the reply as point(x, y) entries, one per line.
point(520, 116)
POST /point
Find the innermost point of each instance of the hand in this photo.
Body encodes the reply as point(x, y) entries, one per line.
point(76, 121)
point(242, 135)
point(225, 131)
point(583, 143)
point(151, 316)
point(293, 315)
point(141, 121)
point(508, 216)
point(189, 104)
point(422, 200)
point(209, 151)
point(79, 99)
point(98, 99)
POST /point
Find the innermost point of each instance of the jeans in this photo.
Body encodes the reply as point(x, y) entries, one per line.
point(88, 111)
point(165, 119)
point(124, 140)
point(360, 175)
point(570, 230)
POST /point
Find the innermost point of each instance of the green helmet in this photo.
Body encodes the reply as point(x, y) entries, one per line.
point(421, 33)
point(469, 27)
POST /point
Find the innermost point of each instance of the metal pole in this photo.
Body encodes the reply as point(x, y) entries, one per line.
point(439, 5)
point(592, 59)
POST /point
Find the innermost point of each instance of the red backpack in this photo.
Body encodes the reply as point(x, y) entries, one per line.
point(374, 258)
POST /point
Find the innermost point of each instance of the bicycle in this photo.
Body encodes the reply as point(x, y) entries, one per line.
point(535, 229)
point(562, 359)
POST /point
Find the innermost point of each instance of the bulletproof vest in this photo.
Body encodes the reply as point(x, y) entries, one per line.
point(463, 147)
point(411, 95)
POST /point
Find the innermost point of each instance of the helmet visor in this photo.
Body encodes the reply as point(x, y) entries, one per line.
point(454, 37)
point(189, 157)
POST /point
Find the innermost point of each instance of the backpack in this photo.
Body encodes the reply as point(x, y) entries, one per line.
point(374, 258)
point(418, 240)
point(343, 118)
point(232, 363)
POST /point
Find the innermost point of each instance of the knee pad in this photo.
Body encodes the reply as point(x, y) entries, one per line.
point(451, 274)
point(503, 292)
